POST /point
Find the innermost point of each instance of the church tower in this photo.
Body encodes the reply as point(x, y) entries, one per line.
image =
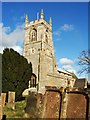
point(39, 50)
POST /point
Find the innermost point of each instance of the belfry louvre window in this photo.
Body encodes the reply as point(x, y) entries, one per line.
point(33, 35)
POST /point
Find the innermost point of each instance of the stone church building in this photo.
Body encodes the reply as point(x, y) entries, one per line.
point(39, 50)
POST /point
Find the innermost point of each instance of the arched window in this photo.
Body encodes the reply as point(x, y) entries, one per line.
point(33, 35)
point(33, 81)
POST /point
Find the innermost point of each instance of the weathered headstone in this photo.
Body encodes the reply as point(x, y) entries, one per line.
point(31, 105)
point(2, 103)
point(11, 100)
point(3, 97)
point(51, 104)
point(0, 108)
point(76, 107)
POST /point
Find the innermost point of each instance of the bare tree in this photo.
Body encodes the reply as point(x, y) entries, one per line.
point(84, 61)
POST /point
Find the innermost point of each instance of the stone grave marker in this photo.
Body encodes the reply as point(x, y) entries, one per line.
point(2, 103)
point(3, 97)
point(0, 108)
point(11, 100)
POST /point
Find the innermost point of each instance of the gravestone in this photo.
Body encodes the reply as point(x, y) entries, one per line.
point(2, 103)
point(0, 108)
point(76, 107)
point(11, 100)
point(3, 97)
point(31, 105)
point(51, 103)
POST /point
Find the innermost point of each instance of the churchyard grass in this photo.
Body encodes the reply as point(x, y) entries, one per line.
point(17, 112)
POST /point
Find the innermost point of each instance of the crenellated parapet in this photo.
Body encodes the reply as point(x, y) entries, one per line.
point(38, 22)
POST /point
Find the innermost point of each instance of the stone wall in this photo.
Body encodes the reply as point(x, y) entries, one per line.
point(56, 80)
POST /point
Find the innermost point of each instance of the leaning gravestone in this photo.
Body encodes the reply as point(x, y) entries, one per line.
point(11, 100)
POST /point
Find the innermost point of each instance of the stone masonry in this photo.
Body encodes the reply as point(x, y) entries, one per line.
point(39, 50)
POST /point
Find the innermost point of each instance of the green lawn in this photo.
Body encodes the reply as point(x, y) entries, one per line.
point(18, 112)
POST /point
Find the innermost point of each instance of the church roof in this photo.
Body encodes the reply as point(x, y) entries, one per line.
point(68, 73)
point(81, 83)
